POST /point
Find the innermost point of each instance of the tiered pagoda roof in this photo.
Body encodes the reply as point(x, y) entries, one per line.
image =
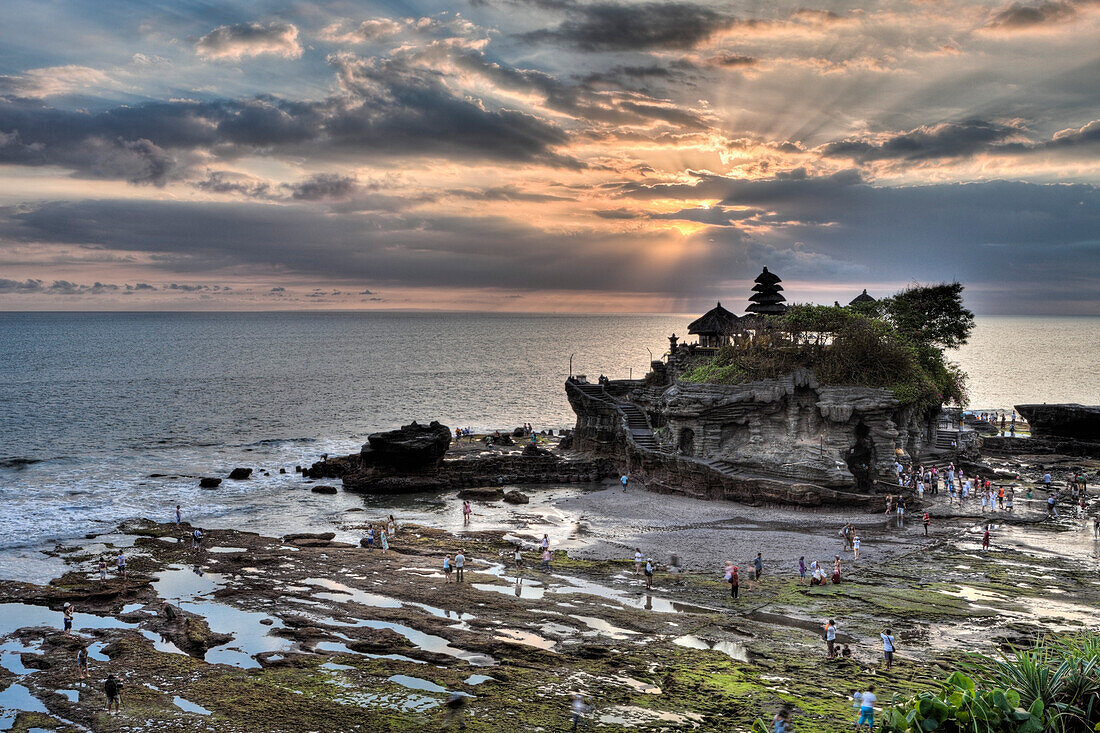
point(766, 298)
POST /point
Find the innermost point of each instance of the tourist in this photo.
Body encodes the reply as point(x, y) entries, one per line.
point(781, 723)
point(623, 479)
point(385, 542)
point(1046, 481)
point(901, 510)
point(467, 511)
point(802, 570)
point(113, 689)
point(734, 580)
point(926, 521)
point(830, 639)
point(121, 562)
point(196, 537)
point(920, 489)
point(1009, 497)
point(67, 618)
point(102, 569)
point(545, 565)
point(855, 547)
point(757, 567)
point(370, 537)
point(846, 534)
point(459, 563)
point(392, 526)
point(648, 573)
point(578, 708)
point(638, 560)
point(518, 558)
point(867, 709)
point(456, 710)
point(544, 543)
point(1052, 511)
point(846, 653)
point(447, 567)
point(82, 662)
point(179, 515)
point(888, 647)
point(889, 503)
point(985, 500)
point(985, 539)
point(836, 569)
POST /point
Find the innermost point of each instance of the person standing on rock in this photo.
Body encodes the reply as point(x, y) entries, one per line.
point(648, 573)
point(544, 543)
point(467, 512)
point(121, 561)
point(370, 537)
point(926, 521)
point(518, 558)
point(68, 618)
point(757, 567)
point(735, 582)
point(855, 547)
point(638, 560)
point(392, 526)
point(802, 570)
point(985, 539)
point(545, 558)
point(447, 568)
point(888, 647)
point(830, 639)
point(179, 515)
point(460, 564)
point(82, 662)
point(385, 542)
point(102, 569)
point(113, 689)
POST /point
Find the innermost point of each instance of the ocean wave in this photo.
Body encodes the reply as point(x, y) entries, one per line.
point(18, 464)
point(278, 441)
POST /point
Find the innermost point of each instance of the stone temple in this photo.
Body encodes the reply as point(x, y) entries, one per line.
point(786, 440)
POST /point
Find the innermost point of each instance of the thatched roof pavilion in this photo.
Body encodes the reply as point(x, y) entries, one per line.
point(862, 298)
point(715, 326)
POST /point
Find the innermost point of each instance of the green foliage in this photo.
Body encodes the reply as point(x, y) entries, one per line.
point(860, 346)
point(931, 314)
point(1053, 687)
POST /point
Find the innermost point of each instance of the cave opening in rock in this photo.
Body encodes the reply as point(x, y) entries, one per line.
point(861, 458)
point(687, 442)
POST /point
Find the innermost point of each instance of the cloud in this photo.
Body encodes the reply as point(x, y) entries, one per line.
point(1017, 16)
point(323, 186)
point(617, 27)
point(91, 156)
point(245, 40)
point(223, 182)
point(65, 287)
point(366, 292)
point(455, 29)
point(733, 61)
point(945, 140)
point(53, 80)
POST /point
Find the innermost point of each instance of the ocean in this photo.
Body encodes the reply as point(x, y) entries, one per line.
point(92, 404)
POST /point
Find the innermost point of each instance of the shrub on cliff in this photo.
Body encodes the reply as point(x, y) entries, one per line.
point(897, 343)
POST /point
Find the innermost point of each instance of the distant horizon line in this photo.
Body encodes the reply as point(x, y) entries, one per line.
point(441, 311)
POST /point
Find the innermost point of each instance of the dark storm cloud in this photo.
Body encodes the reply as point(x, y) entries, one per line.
point(733, 61)
point(1018, 16)
point(323, 186)
point(389, 110)
point(223, 182)
point(948, 140)
point(618, 27)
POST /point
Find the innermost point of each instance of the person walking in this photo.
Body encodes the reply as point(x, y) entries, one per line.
point(623, 479)
point(735, 582)
point(517, 558)
point(467, 512)
point(757, 567)
point(545, 565)
point(855, 547)
point(867, 709)
point(830, 639)
point(112, 688)
point(926, 521)
point(460, 563)
point(836, 569)
point(456, 710)
point(985, 539)
point(648, 573)
point(578, 708)
point(888, 647)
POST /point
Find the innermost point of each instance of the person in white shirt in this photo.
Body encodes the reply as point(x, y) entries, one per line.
point(867, 708)
point(887, 647)
point(639, 558)
point(459, 563)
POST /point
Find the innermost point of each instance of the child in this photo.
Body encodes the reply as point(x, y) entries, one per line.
point(855, 547)
point(867, 708)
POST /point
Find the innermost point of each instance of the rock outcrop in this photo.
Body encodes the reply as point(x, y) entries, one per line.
point(516, 497)
point(208, 482)
point(240, 474)
point(1064, 420)
point(413, 447)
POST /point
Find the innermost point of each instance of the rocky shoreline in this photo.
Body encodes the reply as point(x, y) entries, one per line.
point(299, 633)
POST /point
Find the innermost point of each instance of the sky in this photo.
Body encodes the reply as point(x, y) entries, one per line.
point(546, 155)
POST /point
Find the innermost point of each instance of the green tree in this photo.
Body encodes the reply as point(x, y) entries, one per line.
point(931, 314)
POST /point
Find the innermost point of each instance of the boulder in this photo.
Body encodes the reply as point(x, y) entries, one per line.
point(413, 447)
point(518, 433)
point(516, 497)
point(310, 536)
point(207, 482)
point(323, 489)
point(240, 474)
point(482, 494)
point(531, 450)
point(282, 470)
point(566, 443)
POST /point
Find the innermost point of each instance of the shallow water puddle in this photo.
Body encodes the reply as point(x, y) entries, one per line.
point(633, 715)
point(516, 636)
point(375, 600)
point(70, 695)
point(603, 627)
point(188, 706)
point(15, 699)
point(731, 649)
point(416, 683)
point(11, 657)
point(638, 686)
point(477, 679)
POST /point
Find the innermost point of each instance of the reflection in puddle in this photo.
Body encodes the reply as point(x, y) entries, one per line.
point(632, 715)
point(524, 637)
point(416, 683)
point(188, 706)
point(603, 627)
point(731, 649)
